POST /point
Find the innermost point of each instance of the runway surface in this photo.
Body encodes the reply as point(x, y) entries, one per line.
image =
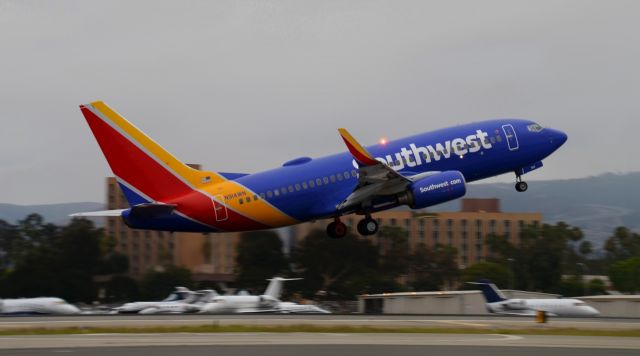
point(316, 344)
point(486, 322)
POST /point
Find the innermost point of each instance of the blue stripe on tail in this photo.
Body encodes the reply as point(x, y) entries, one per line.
point(490, 291)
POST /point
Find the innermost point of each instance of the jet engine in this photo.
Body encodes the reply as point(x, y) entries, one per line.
point(434, 189)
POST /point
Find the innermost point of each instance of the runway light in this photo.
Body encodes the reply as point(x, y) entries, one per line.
point(383, 141)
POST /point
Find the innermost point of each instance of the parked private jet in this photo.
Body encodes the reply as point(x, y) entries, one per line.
point(266, 303)
point(181, 293)
point(191, 304)
point(43, 305)
point(499, 304)
point(418, 171)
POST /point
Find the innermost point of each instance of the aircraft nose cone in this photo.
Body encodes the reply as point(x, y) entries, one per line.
point(557, 137)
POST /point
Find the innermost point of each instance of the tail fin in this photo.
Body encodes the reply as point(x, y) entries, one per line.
point(146, 172)
point(274, 289)
point(491, 293)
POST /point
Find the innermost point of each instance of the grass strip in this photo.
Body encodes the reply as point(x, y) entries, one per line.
point(304, 328)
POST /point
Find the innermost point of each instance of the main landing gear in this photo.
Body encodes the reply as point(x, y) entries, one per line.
point(366, 227)
point(337, 229)
point(521, 185)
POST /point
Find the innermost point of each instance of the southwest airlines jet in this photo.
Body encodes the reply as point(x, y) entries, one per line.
point(418, 171)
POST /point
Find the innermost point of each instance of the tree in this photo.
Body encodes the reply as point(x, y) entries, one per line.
point(158, 284)
point(394, 247)
point(259, 258)
point(495, 272)
point(625, 275)
point(623, 244)
point(542, 256)
point(337, 268)
point(431, 269)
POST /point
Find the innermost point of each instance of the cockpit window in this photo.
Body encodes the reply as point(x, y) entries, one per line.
point(534, 128)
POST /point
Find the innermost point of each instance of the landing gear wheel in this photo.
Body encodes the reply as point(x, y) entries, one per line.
point(336, 229)
point(522, 186)
point(367, 227)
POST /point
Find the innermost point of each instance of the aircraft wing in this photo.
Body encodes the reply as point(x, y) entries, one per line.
point(117, 212)
point(146, 210)
point(524, 313)
point(374, 177)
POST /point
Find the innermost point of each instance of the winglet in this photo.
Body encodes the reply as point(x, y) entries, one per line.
point(357, 151)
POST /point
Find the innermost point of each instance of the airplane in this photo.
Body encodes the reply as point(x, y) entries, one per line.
point(180, 294)
point(295, 308)
point(191, 304)
point(42, 305)
point(499, 304)
point(265, 303)
point(418, 171)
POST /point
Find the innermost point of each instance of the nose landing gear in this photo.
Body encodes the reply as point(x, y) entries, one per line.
point(521, 186)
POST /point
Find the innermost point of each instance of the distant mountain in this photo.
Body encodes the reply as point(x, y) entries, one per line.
point(52, 213)
point(597, 204)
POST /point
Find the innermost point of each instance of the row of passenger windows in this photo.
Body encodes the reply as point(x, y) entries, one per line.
point(312, 183)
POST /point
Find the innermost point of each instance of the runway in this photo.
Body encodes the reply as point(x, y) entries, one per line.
point(316, 344)
point(297, 343)
point(382, 321)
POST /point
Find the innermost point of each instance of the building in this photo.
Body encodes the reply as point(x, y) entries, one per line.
point(209, 258)
point(465, 230)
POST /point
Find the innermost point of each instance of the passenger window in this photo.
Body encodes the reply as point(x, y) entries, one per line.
point(325, 180)
point(255, 197)
point(332, 178)
point(248, 199)
point(304, 185)
point(339, 176)
point(262, 195)
point(354, 174)
point(240, 201)
point(298, 187)
point(276, 192)
point(312, 184)
point(499, 138)
point(318, 182)
point(283, 190)
point(269, 194)
point(346, 175)
point(290, 189)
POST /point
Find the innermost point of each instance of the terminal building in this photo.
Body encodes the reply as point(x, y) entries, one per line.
point(211, 257)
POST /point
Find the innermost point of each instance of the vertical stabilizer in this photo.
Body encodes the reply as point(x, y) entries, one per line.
point(274, 289)
point(491, 293)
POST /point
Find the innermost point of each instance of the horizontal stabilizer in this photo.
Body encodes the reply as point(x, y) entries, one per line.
point(117, 212)
point(151, 210)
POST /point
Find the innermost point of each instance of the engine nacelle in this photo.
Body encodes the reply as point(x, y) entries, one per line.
point(435, 189)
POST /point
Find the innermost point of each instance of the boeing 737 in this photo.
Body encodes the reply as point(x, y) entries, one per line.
point(499, 304)
point(418, 171)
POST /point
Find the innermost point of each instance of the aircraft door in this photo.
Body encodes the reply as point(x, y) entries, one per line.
point(219, 208)
point(510, 134)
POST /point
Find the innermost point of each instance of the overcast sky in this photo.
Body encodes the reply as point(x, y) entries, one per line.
point(243, 86)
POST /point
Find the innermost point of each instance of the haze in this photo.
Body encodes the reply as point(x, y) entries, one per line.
point(242, 86)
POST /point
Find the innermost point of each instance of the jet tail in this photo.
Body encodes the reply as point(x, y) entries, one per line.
point(146, 172)
point(274, 289)
point(491, 293)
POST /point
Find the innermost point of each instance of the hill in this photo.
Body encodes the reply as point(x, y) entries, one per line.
point(53, 213)
point(595, 204)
